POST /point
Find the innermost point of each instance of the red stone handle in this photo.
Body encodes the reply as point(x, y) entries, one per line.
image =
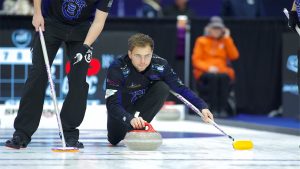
point(150, 128)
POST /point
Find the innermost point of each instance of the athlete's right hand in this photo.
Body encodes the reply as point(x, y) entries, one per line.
point(38, 21)
point(138, 123)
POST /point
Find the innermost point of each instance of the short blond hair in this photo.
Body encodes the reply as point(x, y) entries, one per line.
point(140, 40)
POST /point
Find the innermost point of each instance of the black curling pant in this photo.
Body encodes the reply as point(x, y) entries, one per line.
point(74, 106)
point(148, 106)
point(214, 89)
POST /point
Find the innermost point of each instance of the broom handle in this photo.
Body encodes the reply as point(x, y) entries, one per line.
point(195, 109)
point(52, 88)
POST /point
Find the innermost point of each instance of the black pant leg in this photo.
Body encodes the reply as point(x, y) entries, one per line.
point(32, 100)
point(74, 106)
point(223, 88)
point(207, 87)
point(152, 101)
point(116, 130)
point(148, 106)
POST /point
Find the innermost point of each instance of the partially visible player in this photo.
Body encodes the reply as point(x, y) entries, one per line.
point(140, 81)
point(294, 19)
point(77, 24)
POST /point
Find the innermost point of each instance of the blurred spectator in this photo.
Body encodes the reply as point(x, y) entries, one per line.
point(179, 7)
point(243, 8)
point(294, 20)
point(211, 65)
point(151, 9)
point(1, 4)
point(182, 22)
point(17, 7)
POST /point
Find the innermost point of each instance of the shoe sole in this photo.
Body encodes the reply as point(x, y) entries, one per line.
point(11, 147)
point(16, 148)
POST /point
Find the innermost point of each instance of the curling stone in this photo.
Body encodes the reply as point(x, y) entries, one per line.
point(143, 140)
point(168, 113)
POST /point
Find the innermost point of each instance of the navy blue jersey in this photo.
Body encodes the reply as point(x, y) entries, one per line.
point(74, 11)
point(297, 2)
point(124, 82)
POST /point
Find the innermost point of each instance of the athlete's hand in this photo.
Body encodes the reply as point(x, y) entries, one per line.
point(207, 115)
point(138, 123)
point(85, 54)
point(38, 21)
point(293, 20)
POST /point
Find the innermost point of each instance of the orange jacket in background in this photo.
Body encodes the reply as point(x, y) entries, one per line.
point(213, 52)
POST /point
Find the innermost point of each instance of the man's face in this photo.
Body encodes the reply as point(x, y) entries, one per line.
point(141, 57)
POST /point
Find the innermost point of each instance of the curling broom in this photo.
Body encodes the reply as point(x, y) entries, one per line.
point(64, 148)
point(237, 144)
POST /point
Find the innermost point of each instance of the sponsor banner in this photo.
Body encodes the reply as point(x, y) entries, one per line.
point(290, 68)
point(95, 117)
point(15, 62)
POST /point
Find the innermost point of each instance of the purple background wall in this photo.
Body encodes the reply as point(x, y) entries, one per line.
point(203, 8)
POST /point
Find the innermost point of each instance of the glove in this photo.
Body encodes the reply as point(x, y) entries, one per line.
point(293, 20)
point(84, 52)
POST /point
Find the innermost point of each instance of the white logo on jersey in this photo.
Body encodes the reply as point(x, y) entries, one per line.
point(109, 92)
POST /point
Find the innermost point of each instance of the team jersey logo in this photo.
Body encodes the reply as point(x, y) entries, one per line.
point(113, 83)
point(110, 92)
point(154, 77)
point(125, 70)
point(133, 86)
point(159, 68)
point(137, 94)
point(72, 9)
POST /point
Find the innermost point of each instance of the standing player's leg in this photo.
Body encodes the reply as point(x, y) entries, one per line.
point(74, 106)
point(31, 103)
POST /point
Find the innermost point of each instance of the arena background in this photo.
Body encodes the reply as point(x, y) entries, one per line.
point(261, 70)
point(265, 93)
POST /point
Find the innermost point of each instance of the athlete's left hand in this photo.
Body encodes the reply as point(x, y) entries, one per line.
point(85, 54)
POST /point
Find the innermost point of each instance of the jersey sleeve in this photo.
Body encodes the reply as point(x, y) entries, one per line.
point(174, 82)
point(113, 96)
point(104, 5)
